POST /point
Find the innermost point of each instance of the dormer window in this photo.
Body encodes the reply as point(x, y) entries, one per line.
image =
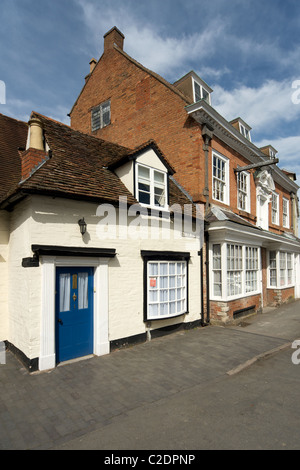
point(269, 151)
point(200, 93)
point(242, 127)
point(245, 132)
point(151, 186)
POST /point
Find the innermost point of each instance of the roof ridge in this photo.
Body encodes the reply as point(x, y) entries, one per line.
point(13, 119)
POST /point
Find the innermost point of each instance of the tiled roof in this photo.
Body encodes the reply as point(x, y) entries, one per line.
point(13, 134)
point(78, 165)
point(78, 168)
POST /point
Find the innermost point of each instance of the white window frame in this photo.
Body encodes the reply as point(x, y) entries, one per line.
point(203, 90)
point(244, 271)
point(285, 215)
point(284, 266)
point(101, 110)
point(152, 186)
point(275, 210)
point(216, 178)
point(245, 132)
point(272, 269)
point(167, 289)
point(244, 191)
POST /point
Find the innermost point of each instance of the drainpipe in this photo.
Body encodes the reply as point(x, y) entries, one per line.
point(200, 253)
point(207, 134)
point(207, 279)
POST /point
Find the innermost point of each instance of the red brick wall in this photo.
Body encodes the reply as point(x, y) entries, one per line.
point(142, 108)
point(279, 296)
point(30, 159)
point(224, 311)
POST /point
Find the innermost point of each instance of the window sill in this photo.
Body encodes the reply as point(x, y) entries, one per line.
point(281, 287)
point(221, 202)
point(234, 297)
point(167, 317)
point(155, 210)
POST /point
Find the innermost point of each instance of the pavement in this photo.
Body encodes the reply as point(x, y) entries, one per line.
point(57, 409)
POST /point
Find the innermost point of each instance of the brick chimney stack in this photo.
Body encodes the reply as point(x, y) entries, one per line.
point(35, 154)
point(93, 64)
point(113, 37)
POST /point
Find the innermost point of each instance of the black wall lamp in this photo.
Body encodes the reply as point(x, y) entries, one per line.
point(82, 225)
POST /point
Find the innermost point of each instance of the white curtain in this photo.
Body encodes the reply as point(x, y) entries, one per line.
point(83, 279)
point(64, 289)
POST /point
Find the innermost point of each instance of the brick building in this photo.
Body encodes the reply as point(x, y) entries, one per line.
point(251, 256)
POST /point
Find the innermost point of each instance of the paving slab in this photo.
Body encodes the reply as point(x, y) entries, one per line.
point(46, 410)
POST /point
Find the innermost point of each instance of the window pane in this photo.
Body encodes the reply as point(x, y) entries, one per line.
point(96, 120)
point(197, 92)
point(159, 196)
point(205, 95)
point(216, 256)
point(144, 198)
point(144, 172)
point(83, 279)
point(153, 269)
point(105, 114)
point(153, 310)
point(64, 292)
point(159, 177)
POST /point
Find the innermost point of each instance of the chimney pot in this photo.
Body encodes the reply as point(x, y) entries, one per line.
point(36, 134)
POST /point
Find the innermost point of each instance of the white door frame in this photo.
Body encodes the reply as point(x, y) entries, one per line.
point(47, 359)
point(297, 276)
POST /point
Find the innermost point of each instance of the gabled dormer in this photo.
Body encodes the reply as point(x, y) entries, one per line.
point(242, 127)
point(269, 151)
point(145, 172)
point(192, 86)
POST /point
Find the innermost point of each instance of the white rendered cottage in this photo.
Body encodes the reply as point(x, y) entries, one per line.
point(99, 246)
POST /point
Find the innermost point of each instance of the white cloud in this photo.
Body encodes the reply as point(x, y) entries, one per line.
point(264, 107)
point(22, 109)
point(167, 55)
point(288, 152)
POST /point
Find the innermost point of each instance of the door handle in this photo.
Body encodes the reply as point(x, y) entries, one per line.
point(60, 321)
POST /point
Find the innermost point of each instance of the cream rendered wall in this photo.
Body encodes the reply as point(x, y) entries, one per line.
point(24, 291)
point(55, 222)
point(4, 241)
point(150, 158)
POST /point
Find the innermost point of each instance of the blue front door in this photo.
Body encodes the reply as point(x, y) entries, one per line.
point(74, 313)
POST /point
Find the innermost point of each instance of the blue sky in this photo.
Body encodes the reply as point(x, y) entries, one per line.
point(247, 51)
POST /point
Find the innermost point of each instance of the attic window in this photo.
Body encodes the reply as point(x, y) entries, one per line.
point(200, 93)
point(245, 132)
point(152, 186)
point(101, 116)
